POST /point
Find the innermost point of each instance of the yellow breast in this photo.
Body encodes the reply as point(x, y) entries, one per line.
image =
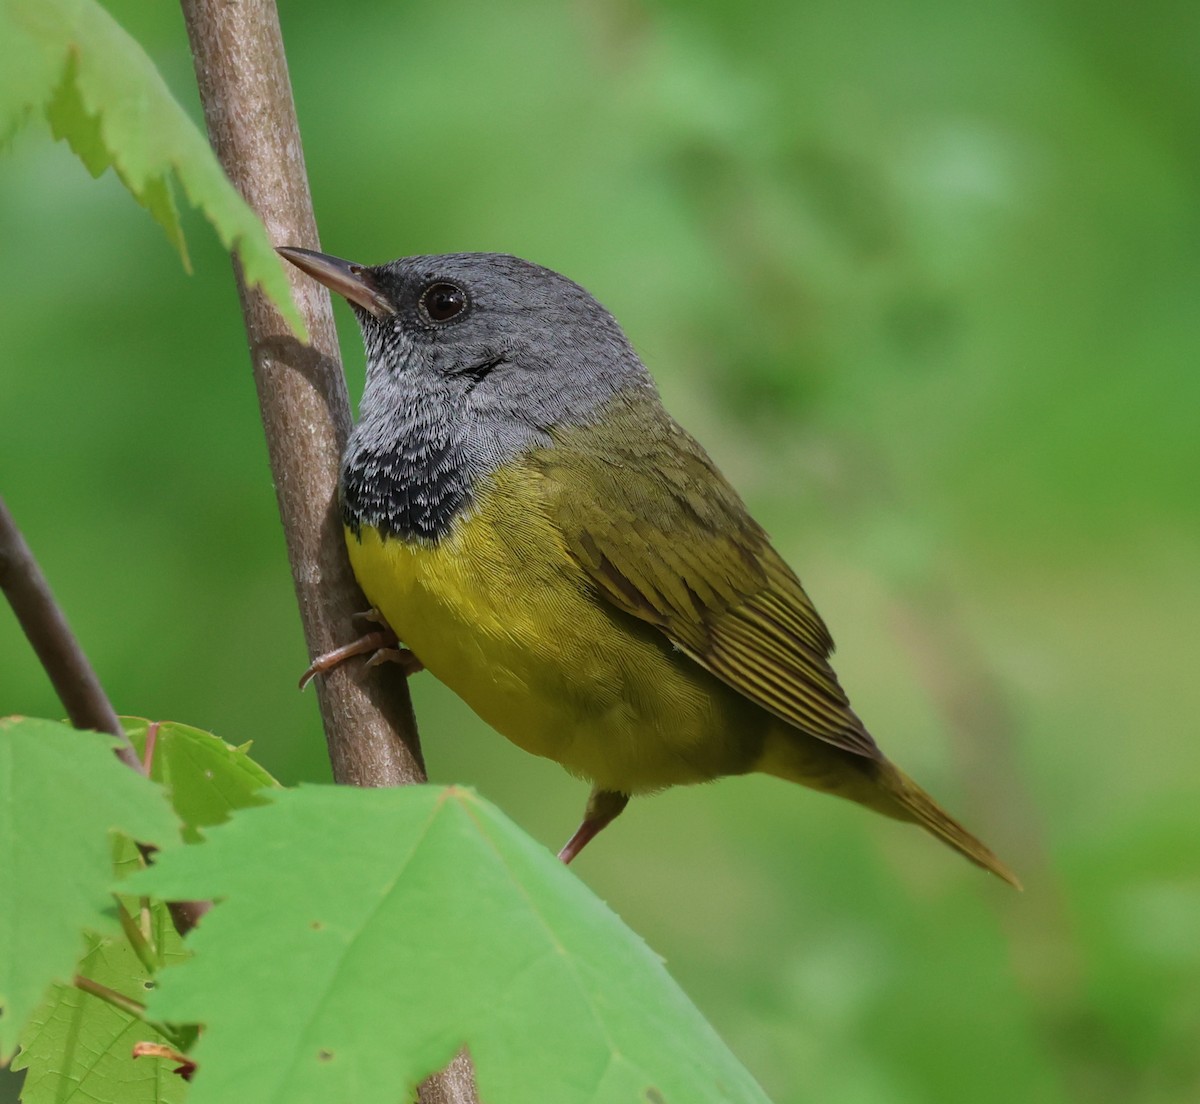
point(499, 611)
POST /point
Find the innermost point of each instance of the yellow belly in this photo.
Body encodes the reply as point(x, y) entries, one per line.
point(499, 612)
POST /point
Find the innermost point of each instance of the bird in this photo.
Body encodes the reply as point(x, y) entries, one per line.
point(526, 517)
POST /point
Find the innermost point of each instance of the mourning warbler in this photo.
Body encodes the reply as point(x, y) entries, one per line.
point(553, 546)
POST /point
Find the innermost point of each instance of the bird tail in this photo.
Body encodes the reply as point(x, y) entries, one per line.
point(916, 805)
point(877, 784)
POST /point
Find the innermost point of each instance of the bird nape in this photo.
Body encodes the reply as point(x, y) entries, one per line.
point(545, 539)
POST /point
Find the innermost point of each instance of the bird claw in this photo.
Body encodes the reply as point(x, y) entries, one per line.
point(382, 646)
point(407, 660)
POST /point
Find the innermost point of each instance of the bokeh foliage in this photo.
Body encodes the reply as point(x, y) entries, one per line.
point(923, 278)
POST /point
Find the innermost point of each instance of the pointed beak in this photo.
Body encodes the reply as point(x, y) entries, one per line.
point(352, 281)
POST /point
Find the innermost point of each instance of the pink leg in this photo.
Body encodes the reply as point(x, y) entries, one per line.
point(603, 807)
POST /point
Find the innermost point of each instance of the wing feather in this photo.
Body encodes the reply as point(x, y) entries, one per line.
point(664, 537)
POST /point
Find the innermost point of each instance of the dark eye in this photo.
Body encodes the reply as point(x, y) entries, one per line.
point(443, 301)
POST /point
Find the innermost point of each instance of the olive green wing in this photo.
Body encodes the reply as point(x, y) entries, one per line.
point(662, 534)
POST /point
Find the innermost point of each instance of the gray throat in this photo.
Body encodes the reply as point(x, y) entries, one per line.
point(410, 473)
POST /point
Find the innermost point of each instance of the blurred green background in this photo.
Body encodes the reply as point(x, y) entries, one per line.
point(925, 280)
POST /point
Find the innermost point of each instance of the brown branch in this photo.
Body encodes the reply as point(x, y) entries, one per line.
point(46, 626)
point(247, 97)
point(63, 660)
point(242, 73)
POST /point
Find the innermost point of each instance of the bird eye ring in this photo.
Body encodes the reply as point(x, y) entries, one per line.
point(443, 301)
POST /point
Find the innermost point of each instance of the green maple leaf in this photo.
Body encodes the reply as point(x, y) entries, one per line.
point(78, 1046)
point(62, 794)
point(204, 778)
point(363, 936)
point(69, 60)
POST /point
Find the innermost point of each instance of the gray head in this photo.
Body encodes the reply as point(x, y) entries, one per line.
point(472, 359)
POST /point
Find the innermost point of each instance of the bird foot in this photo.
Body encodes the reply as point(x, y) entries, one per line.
point(382, 644)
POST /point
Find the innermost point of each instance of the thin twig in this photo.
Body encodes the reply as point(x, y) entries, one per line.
point(74, 681)
point(137, 1010)
point(118, 1000)
point(139, 940)
point(46, 626)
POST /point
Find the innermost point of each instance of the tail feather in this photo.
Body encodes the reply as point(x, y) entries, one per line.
point(916, 805)
point(875, 783)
